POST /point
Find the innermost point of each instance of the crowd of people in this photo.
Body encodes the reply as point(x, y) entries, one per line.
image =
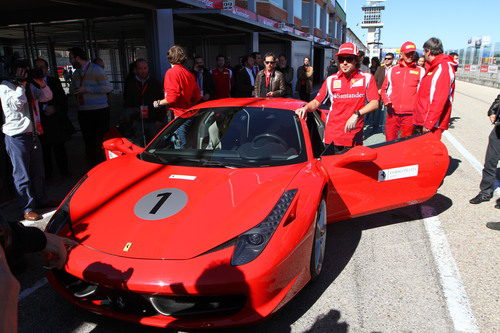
point(412, 96)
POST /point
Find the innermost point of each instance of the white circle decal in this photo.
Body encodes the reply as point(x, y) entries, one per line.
point(161, 204)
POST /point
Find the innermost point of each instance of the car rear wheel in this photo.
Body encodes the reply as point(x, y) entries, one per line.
point(319, 241)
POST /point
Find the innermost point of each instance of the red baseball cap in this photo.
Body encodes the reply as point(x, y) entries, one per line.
point(408, 47)
point(348, 49)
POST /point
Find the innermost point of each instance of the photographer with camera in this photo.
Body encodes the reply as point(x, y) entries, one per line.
point(20, 97)
point(15, 241)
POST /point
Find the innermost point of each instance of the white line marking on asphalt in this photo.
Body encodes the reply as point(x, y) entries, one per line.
point(28, 291)
point(472, 160)
point(453, 288)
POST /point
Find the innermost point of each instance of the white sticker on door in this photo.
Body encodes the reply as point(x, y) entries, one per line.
point(398, 173)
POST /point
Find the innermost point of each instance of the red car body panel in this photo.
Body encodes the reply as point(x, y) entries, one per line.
point(174, 256)
point(217, 194)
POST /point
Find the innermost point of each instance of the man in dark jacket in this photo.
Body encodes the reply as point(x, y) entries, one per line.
point(269, 82)
point(376, 119)
point(141, 90)
point(203, 79)
point(305, 80)
point(57, 127)
point(245, 79)
point(487, 185)
point(382, 70)
point(16, 240)
point(287, 72)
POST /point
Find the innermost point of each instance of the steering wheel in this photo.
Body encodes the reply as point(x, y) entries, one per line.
point(272, 136)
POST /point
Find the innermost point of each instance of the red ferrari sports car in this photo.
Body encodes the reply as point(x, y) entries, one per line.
point(221, 219)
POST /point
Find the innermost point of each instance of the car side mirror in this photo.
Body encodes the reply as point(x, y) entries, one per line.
point(119, 145)
point(356, 154)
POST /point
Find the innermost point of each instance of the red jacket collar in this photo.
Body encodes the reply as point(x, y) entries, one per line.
point(440, 58)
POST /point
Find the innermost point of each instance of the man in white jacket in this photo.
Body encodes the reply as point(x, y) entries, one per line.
point(21, 127)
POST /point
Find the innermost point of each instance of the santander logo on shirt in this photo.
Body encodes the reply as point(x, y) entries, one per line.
point(356, 95)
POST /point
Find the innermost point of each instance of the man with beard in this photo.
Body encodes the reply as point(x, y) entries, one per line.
point(203, 79)
point(90, 85)
point(287, 72)
point(269, 82)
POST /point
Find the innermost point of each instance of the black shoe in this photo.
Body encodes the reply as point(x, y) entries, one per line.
point(493, 225)
point(481, 197)
point(498, 204)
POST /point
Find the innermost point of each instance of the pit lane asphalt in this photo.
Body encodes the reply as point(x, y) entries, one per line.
point(379, 274)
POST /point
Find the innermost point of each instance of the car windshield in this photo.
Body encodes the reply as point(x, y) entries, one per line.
point(232, 137)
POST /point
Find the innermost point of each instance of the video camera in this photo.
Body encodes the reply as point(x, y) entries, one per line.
point(33, 73)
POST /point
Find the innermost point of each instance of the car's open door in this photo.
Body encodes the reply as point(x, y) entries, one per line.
point(366, 180)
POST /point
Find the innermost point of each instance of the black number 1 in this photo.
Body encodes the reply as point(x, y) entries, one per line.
point(164, 197)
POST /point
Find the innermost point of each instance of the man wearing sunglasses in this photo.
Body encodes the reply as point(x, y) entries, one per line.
point(352, 93)
point(399, 93)
point(269, 82)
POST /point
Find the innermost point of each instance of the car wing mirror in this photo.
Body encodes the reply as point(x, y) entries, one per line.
point(119, 144)
point(356, 154)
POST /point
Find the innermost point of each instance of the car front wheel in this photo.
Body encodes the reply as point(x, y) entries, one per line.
point(319, 241)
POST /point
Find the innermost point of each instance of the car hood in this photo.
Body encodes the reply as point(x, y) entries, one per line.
point(132, 208)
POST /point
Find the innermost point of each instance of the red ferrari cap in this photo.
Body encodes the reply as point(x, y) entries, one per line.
point(347, 49)
point(408, 47)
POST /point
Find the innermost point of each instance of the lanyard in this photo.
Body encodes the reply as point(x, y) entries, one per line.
point(142, 90)
point(84, 74)
point(80, 96)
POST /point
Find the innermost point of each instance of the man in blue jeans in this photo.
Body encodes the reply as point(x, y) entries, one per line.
point(22, 126)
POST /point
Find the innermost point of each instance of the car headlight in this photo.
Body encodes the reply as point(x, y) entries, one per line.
point(61, 217)
point(250, 244)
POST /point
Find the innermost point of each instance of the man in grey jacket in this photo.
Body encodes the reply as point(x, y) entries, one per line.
point(22, 126)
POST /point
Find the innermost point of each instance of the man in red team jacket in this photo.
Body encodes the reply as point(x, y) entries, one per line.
point(223, 78)
point(349, 90)
point(435, 95)
point(399, 93)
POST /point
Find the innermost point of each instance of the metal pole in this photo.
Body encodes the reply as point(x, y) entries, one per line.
point(52, 57)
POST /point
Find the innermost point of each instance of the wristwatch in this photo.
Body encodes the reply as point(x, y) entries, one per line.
point(357, 113)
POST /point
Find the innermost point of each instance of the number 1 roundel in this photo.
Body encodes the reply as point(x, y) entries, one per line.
point(160, 204)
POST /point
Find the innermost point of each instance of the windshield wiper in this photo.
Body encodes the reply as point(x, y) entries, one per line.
point(225, 164)
point(202, 161)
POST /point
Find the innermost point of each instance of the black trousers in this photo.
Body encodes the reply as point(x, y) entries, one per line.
point(491, 161)
point(305, 96)
point(58, 150)
point(94, 124)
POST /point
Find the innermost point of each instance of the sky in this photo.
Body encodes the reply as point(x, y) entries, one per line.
point(454, 22)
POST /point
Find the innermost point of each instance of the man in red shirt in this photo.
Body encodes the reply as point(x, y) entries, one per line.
point(181, 90)
point(348, 90)
point(179, 84)
point(223, 78)
point(399, 93)
point(435, 95)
